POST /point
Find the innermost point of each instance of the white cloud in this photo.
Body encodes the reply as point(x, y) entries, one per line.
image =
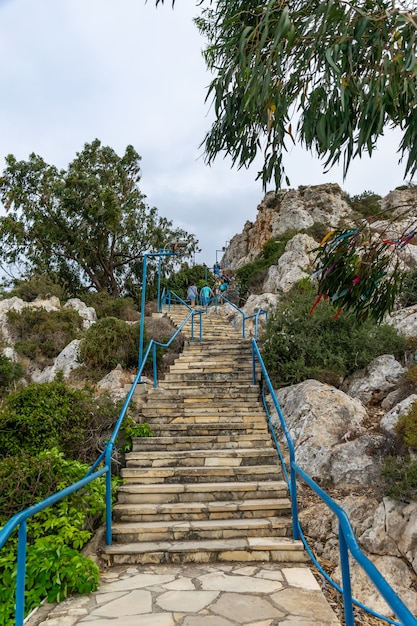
point(128, 73)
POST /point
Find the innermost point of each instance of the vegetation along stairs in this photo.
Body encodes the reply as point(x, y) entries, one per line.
point(208, 486)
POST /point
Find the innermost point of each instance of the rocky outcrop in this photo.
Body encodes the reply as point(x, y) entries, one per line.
point(327, 428)
point(375, 382)
point(288, 210)
point(386, 532)
point(65, 362)
point(317, 208)
point(296, 263)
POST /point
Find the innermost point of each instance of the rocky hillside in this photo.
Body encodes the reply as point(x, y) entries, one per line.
point(343, 435)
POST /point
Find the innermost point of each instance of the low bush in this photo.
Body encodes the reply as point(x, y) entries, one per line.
point(400, 475)
point(366, 203)
point(41, 416)
point(9, 372)
point(108, 343)
point(299, 345)
point(131, 430)
point(250, 277)
point(407, 427)
point(37, 286)
point(408, 292)
point(107, 306)
point(41, 335)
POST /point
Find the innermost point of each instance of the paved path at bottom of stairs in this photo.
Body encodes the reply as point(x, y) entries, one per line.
point(218, 594)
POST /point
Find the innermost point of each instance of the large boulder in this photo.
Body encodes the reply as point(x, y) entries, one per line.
point(322, 420)
point(65, 362)
point(296, 263)
point(87, 313)
point(374, 382)
point(389, 421)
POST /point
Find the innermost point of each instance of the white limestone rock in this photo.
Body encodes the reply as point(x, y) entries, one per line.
point(390, 420)
point(404, 321)
point(375, 381)
point(65, 362)
point(319, 417)
point(296, 263)
point(87, 313)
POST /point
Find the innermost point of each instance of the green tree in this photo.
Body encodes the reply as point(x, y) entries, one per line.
point(88, 225)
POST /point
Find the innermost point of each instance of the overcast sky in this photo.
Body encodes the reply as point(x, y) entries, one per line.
point(126, 72)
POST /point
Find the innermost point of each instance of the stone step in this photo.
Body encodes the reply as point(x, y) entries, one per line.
point(241, 411)
point(247, 427)
point(202, 442)
point(198, 474)
point(203, 458)
point(193, 417)
point(214, 386)
point(197, 400)
point(264, 549)
point(255, 508)
point(177, 530)
point(203, 377)
point(200, 492)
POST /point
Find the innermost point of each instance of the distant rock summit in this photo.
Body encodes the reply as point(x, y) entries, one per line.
point(305, 210)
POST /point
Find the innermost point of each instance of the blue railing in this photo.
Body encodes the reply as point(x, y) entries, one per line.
point(19, 520)
point(347, 541)
point(245, 318)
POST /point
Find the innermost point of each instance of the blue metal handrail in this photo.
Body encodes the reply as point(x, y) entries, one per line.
point(347, 540)
point(19, 520)
point(256, 317)
point(245, 317)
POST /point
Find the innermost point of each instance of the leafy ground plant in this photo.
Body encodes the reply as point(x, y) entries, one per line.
point(55, 569)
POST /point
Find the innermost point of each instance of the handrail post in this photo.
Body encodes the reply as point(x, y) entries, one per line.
point(346, 583)
point(192, 326)
point(243, 327)
point(109, 539)
point(201, 327)
point(294, 503)
point(155, 372)
point(253, 365)
point(21, 574)
point(142, 310)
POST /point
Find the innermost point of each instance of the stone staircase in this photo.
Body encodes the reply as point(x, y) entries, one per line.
point(208, 486)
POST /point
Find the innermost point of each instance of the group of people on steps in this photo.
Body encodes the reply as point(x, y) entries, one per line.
point(207, 294)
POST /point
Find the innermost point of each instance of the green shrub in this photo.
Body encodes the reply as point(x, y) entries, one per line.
point(107, 306)
point(298, 346)
point(131, 430)
point(41, 335)
point(38, 285)
point(42, 416)
point(408, 291)
point(9, 372)
point(366, 203)
point(407, 427)
point(107, 343)
point(400, 474)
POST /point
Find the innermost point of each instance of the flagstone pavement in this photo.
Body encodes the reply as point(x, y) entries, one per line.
point(218, 594)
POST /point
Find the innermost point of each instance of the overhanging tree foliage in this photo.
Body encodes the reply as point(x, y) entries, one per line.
point(330, 75)
point(88, 225)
